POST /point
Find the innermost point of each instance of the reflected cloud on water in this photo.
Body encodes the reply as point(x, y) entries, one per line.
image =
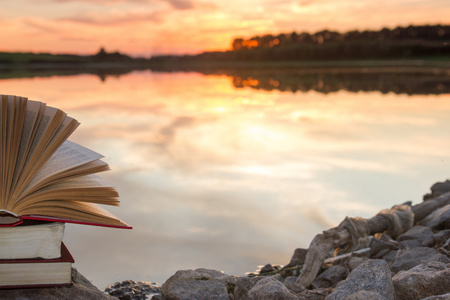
point(229, 178)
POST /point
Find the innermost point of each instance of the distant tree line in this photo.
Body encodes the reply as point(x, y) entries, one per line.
point(398, 43)
point(437, 33)
point(33, 59)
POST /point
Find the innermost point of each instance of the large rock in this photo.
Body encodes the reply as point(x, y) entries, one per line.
point(199, 284)
point(439, 219)
point(364, 295)
point(438, 297)
point(402, 260)
point(422, 281)
point(417, 236)
point(81, 289)
point(268, 289)
point(373, 276)
point(438, 189)
point(298, 258)
point(441, 237)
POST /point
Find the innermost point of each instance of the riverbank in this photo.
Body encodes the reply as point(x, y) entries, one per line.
point(409, 260)
point(412, 264)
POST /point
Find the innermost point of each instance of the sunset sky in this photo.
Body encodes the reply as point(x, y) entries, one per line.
point(148, 27)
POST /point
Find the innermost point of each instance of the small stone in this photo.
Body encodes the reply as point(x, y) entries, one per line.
point(130, 289)
point(298, 258)
point(267, 269)
point(330, 277)
point(381, 246)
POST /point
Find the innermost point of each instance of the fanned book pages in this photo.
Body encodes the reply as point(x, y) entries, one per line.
point(43, 175)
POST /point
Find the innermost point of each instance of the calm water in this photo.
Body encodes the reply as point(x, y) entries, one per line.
point(215, 176)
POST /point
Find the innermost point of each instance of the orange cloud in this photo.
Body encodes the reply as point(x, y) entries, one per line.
point(115, 18)
point(145, 27)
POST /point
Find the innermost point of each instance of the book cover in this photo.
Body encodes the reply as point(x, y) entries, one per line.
point(36, 272)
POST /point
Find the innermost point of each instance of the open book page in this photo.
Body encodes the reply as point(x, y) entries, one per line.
point(33, 115)
point(16, 117)
point(72, 212)
point(38, 143)
point(69, 160)
point(46, 148)
point(3, 128)
point(88, 188)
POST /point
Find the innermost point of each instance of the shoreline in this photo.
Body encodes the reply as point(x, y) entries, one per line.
point(411, 260)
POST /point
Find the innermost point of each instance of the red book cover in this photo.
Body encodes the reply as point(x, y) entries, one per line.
point(55, 219)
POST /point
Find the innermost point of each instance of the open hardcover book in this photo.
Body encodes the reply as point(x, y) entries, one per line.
point(43, 175)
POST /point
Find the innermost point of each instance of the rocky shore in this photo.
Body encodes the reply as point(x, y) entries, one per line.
point(414, 264)
point(408, 260)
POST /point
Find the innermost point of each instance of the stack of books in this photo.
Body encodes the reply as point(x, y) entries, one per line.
point(33, 254)
point(45, 182)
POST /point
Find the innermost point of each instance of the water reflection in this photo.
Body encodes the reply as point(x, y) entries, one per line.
point(224, 178)
point(412, 80)
point(353, 81)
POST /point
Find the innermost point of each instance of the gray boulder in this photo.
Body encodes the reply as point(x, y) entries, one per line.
point(199, 284)
point(438, 297)
point(364, 295)
point(417, 236)
point(316, 294)
point(298, 258)
point(422, 281)
point(268, 289)
point(438, 189)
point(439, 219)
point(355, 261)
point(441, 237)
point(243, 285)
point(80, 290)
point(406, 259)
point(372, 276)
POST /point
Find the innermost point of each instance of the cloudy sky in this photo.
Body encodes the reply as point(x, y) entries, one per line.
point(146, 27)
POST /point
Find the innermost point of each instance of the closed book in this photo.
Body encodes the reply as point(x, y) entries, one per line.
point(32, 239)
point(35, 272)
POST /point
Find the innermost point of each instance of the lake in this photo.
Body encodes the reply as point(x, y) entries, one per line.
point(233, 171)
